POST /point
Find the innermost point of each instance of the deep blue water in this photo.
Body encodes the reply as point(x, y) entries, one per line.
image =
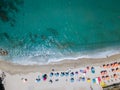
point(55, 29)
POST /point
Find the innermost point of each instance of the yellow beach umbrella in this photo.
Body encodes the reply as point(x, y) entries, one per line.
point(88, 80)
point(103, 84)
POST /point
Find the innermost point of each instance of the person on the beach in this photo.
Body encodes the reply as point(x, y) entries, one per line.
point(91, 88)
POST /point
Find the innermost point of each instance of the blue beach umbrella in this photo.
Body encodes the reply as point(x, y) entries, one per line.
point(81, 71)
point(38, 79)
point(62, 74)
point(93, 70)
point(72, 80)
point(51, 74)
point(83, 78)
point(93, 80)
point(72, 74)
point(66, 73)
point(57, 74)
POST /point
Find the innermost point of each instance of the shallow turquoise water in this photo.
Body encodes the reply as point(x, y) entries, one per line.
point(53, 29)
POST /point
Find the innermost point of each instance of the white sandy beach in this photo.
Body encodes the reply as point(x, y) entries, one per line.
point(21, 77)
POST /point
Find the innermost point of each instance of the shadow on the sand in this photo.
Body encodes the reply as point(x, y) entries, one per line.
point(1, 85)
point(112, 87)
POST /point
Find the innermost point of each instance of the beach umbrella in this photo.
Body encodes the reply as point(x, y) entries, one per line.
point(83, 78)
point(51, 74)
point(38, 79)
point(66, 73)
point(103, 77)
point(118, 63)
point(84, 71)
point(93, 70)
point(72, 79)
point(115, 76)
point(76, 72)
point(88, 80)
point(99, 79)
point(62, 74)
point(104, 66)
point(113, 70)
point(107, 77)
point(57, 74)
point(108, 65)
point(44, 77)
point(115, 64)
point(94, 80)
point(102, 73)
point(102, 84)
point(112, 65)
point(105, 71)
point(81, 71)
point(72, 74)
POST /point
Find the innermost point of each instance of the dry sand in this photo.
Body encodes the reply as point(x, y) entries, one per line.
point(15, 74)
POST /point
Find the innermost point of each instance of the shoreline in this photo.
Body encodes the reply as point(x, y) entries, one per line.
point(13, 68)
point(46, 59)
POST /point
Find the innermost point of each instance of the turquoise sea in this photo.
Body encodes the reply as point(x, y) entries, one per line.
point(40, 31)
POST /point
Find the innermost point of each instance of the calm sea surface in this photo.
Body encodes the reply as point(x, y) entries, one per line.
point(42, 30)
